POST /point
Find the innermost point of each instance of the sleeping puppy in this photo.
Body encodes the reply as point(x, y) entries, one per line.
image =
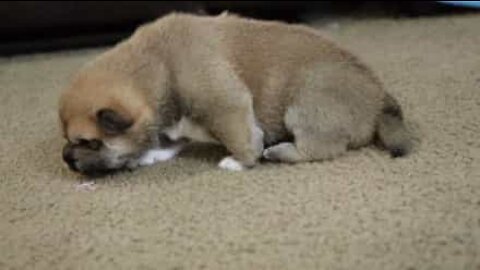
point(261, 89)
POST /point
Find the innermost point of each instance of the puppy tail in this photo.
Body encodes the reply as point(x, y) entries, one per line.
point(391, 129)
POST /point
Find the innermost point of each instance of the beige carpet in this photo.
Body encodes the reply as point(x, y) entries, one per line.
point(362, 211)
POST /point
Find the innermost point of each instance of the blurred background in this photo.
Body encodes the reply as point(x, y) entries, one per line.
point(36, 26)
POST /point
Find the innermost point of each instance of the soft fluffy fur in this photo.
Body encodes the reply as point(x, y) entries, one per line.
point(267, 89)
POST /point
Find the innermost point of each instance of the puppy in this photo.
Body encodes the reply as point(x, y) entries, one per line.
point(261, 89)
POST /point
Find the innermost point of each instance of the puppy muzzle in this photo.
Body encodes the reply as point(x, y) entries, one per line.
point(85, 161)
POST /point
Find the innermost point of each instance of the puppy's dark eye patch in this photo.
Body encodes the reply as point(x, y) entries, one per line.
point(112, 122)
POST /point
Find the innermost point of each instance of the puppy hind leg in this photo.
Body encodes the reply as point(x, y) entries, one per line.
point(316, 137)
point(283, 152)
point(305, 150)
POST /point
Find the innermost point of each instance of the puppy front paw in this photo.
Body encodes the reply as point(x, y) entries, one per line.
point(231, 164)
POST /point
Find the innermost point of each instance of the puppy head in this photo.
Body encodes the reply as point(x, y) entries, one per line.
point(106, 121)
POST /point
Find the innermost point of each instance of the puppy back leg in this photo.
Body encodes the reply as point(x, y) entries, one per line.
point(315, 137)
point(284, 152)
point(305, 148)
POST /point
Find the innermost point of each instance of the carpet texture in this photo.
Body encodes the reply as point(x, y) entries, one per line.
point(361, 211)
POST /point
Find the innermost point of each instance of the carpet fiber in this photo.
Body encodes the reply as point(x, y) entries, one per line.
point(361, 211)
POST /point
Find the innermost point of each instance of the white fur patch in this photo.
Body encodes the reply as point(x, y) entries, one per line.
point(157, 155)
point(229, 163)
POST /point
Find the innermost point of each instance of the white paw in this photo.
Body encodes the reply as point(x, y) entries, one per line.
point(157, 155)
point(267, 153)
point(229, 163)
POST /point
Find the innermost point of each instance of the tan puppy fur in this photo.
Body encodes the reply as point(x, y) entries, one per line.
point(259, 88)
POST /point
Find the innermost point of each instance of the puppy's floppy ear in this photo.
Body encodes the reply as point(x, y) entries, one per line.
point(112, 122)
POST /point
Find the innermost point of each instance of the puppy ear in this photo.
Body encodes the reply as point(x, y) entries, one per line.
point(112, 122)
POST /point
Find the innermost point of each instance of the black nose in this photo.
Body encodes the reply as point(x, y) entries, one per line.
point(69, 158)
